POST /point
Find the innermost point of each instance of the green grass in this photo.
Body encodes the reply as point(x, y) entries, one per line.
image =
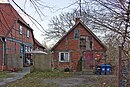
point(5, 74)
point(34, 79)
point(38, 79)
point(49, 74)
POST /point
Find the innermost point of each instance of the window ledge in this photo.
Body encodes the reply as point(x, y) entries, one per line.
point(64, 61)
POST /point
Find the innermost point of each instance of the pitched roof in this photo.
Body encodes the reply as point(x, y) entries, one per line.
point(15, 17)
point(87, 29)
point(8, 17)
point(36, 42)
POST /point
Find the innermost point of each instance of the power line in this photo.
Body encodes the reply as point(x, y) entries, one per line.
point(30, 17)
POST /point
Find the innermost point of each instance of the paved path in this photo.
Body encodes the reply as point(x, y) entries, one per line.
point(17, 75)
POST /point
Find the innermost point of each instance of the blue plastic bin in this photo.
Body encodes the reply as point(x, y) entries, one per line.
point(103, 69)
point(108, 69)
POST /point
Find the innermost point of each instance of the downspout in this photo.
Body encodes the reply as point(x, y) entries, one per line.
point(3, 56)
point(52, 60)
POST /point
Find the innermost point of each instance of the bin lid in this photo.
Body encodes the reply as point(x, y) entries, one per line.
point(103, 65)
point(108, 65)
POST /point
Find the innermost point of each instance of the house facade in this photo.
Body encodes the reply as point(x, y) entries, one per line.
point(79, 44)
point(16, 38)
point(38, 46)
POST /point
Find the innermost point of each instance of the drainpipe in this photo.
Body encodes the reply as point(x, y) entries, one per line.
point(52, 60)
point(3, 56)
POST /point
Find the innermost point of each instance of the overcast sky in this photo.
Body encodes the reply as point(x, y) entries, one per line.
point(49, 13)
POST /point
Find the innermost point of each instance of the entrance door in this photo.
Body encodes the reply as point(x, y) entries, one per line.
point(89, 61)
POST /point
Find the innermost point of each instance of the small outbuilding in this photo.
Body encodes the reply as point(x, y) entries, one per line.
point(78, 48)
point(41, 60)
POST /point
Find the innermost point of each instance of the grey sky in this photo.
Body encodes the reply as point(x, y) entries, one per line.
point(49, 13)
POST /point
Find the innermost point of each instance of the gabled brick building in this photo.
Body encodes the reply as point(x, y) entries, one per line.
point(38, 46)
point(80, 43)
point(16, 38)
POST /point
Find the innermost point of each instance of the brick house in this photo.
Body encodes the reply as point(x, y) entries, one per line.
point(38, 46)
point(16, 38)
point(80, 43)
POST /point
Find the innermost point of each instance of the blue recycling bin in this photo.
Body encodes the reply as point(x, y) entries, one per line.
point(103, 69)
point(108, 69)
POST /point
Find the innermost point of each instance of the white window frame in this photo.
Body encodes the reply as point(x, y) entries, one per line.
point(21, 29)
point(28, 33)
point(65, 60)
point(26, 49)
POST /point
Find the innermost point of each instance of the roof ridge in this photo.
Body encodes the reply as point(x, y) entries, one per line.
point(86, 28)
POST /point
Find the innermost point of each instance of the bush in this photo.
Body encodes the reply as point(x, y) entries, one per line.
point(79, 65)
point(67, 70)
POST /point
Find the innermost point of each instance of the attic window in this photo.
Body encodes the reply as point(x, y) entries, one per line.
point(27, 33)
point(86, 42)
point(20, 30)
point(90, 42)
point(76, 34)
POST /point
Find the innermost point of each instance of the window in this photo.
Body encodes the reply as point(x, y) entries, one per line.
point(20, 30)
point(64, 57)
point(26, 49)
point(29, 49)
point(27, 33)
point(86, 42)
point(83, 42)
point(90, 42)
point(76, 34)
point(21, 49)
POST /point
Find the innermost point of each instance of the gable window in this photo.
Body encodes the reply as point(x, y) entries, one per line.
point(28, 33)
point(90, 42)
point(64, 56)
point(83, 42)
point(86, 42)
point(20, 30)
point(76, 34)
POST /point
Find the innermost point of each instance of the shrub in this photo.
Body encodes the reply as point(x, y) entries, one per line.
point(67, 70)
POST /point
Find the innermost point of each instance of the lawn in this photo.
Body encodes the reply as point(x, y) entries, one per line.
point(35, 79)
point(5, 74)
point(60, 79)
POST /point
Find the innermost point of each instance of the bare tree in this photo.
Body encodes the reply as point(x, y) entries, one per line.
point(106, 16)
point(59, 25)
point(38, 7)
point(112, 16)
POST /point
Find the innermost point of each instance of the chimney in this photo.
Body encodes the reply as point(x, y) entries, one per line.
point(77, 20)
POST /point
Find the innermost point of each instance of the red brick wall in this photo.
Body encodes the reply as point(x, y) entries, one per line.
point(1, 46)
point(71, 45)
point(10, 17)
point(9, 20)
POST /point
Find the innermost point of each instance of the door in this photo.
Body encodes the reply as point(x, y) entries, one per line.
point(89, 61)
